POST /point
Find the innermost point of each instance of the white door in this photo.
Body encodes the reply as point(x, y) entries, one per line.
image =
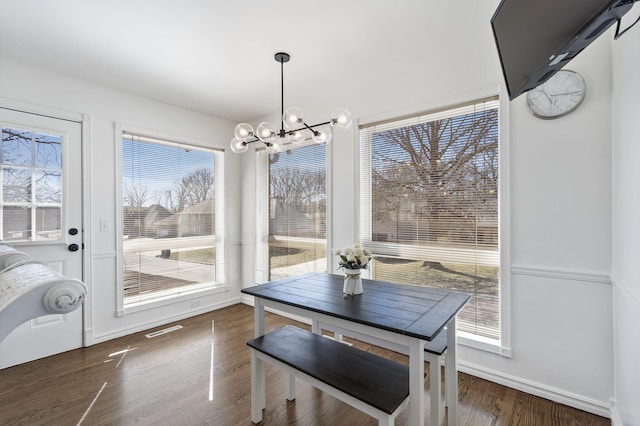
point(41, 215)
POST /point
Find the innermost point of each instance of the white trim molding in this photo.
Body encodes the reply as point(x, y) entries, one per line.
point(44, 110)
point(562, 274)
point(615, 417)
point(87, 230)
point(537, 389)
point(165, 320)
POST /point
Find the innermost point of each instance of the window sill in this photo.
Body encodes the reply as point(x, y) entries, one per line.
point(171, 299)
point(483, 344)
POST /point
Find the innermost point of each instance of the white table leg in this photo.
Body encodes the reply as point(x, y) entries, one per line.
point(416, 382)
point(451, 374)
point(258, 323)
point(258, 317)
point(257, 387)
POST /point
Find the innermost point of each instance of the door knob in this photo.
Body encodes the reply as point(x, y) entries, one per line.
point(73, 247)
point(73, 231)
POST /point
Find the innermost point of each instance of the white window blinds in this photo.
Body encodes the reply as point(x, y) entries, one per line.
point(293, 220)
point(171, 218)
point(429, 205)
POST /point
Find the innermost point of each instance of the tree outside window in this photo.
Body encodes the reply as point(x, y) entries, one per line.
point(430, 184)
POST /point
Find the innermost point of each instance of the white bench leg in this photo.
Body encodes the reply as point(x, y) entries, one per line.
point(258, 400)
point(290, 387)
point(416, 382)
point(435, 395)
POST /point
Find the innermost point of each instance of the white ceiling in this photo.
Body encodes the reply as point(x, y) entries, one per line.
point(217, 56)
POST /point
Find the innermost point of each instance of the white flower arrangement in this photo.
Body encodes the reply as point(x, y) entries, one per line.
point(353, 257)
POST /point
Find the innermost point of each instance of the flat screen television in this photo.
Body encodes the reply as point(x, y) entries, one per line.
point(536, 38)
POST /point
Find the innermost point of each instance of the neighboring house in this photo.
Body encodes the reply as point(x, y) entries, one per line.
point(192, 221)
point(146, 221)
point(167, 227)
point(293, 221)
point(155, 214)
point(198, 219)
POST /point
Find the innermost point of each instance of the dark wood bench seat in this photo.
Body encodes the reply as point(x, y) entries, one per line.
point(380, 385)
point(434, 351)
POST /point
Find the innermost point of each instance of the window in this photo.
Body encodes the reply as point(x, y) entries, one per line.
point(171, 219)
point(293, 198)
point(31, 185)
point(429, 205)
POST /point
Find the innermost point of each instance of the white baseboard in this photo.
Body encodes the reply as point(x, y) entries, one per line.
point(166, 320)
point(538, 389)
point(88, 337)
point(615, 417)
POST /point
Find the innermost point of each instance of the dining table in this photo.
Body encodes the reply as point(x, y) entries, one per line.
point(404, 315)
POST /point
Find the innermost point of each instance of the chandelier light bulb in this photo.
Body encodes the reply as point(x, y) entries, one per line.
point(243, 131)
point(274, 147)
point(266, 132)
point(321, 136)
point(292, 118)
point(297, 136)
point(238, 146)
point(341, 117)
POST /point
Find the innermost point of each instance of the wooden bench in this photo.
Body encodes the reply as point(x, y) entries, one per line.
point(433, 353)
point(375, 385)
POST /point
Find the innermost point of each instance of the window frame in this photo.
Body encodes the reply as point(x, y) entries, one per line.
point(501, 346)
point(219, 285)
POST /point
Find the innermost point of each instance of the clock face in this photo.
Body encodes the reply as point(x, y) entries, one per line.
point(558, 96)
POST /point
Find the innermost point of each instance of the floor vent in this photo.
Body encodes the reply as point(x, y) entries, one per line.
point(161, 332)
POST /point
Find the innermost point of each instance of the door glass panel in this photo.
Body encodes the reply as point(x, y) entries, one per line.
point(48, 186)
point(16, 185)
point(48, 151)
point(16, 223)
point(16, 147)
point(48, 223)
point(32, 182)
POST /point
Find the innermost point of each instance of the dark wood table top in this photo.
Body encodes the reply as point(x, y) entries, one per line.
point(416, 311)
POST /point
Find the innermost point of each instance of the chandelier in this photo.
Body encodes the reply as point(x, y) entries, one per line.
point(293, 128)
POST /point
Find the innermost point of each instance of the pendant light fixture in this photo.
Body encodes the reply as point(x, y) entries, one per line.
point(293, 128)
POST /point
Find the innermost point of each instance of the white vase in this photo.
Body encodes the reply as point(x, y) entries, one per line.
point(352, 282)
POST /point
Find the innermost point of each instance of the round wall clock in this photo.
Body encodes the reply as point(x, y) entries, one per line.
point(558, 96)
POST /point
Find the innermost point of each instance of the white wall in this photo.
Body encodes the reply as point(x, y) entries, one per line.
point(560, 217)
point(559, 200)
point(105, 107)
point(626, 228)
point(559, 203)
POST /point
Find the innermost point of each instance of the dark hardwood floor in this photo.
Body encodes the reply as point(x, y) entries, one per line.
point(195, 377)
